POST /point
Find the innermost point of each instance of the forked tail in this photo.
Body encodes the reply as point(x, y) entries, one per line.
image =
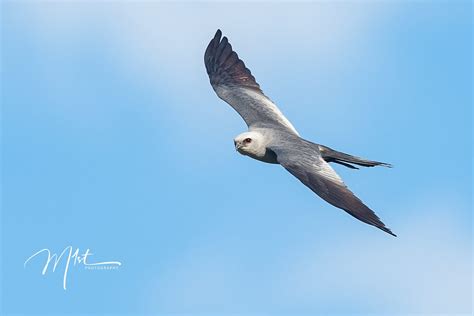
point(331, 155)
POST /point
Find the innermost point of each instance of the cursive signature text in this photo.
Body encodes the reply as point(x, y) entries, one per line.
point(76, 258)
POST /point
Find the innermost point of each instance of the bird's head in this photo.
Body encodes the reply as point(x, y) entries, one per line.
point(250, 144)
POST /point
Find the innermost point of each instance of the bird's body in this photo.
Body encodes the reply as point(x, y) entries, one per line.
point(271, 138)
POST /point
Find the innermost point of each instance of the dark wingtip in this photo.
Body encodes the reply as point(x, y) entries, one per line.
point(388, 231)
point(224, 41)
point(224, 66)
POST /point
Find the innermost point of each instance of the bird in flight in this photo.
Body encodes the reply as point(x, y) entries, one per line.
point(271, 138)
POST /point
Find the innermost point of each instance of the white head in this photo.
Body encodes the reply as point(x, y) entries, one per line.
point(251, 144)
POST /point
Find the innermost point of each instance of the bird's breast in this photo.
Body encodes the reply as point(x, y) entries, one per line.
point(268, 157)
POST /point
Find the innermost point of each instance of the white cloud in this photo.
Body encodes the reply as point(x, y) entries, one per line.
point(426, 270)
point(162, 44)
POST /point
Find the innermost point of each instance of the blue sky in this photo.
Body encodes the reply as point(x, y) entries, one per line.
point(113, 140)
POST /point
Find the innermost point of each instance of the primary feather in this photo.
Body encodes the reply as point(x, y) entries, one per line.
point(235, 84)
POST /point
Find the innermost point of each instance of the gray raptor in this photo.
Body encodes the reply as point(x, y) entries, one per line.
point(271, 138)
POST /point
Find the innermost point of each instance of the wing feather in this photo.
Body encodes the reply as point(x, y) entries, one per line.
point(234, 83)
point(318, 175)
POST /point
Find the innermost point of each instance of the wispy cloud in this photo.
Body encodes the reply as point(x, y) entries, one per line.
point(164, 42)
point(424, 271)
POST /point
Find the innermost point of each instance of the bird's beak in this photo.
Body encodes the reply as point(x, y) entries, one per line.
point(236, 145)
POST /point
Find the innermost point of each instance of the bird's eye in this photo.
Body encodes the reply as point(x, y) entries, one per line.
point(247, 140)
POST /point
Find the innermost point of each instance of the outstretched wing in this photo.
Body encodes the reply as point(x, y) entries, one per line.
point(317, 174)
point(234, 84)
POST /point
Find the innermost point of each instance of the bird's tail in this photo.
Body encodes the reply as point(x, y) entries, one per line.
point(331, 155)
